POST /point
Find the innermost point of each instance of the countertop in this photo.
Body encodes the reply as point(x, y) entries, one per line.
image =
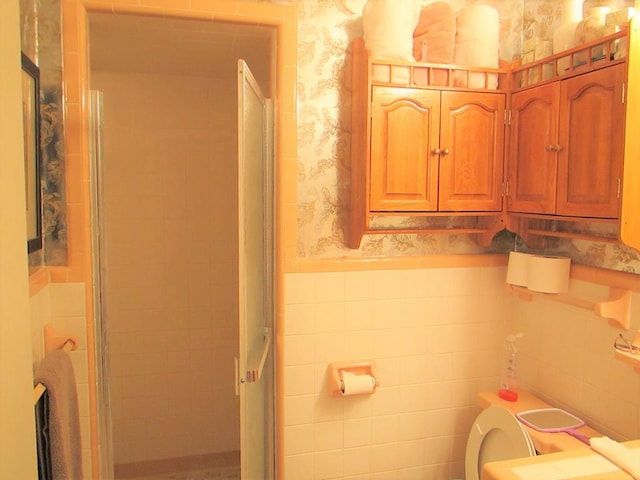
point(582, 464)
point(561, 455)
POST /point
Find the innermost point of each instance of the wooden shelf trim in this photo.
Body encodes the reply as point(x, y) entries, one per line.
point(422, 74)
point(580, 59)
point(540, 226)
point(616, 309)
point(572, 235)
point(486, 226)
point(628, 358)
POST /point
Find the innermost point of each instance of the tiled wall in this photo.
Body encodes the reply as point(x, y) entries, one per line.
point(567, 357)
point(436, 337)
point(170, 231)
point(63, 305)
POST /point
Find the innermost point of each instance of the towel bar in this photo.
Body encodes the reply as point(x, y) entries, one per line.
point(53, 341)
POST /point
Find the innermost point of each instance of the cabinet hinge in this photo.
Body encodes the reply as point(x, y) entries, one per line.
point(507, 117)
point(619, 187)
point(624, 92)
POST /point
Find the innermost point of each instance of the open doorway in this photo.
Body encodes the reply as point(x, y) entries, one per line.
point(168, 239)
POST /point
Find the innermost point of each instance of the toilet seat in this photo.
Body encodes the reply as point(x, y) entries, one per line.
point(495, 435)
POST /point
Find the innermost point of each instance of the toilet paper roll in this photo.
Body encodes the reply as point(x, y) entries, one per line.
point(518, 268)
point(549, 274)
point(356, 384)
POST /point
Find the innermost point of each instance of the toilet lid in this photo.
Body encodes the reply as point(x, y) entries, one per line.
point(495, 435)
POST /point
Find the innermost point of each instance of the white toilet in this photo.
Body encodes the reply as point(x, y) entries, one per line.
point(495, 435)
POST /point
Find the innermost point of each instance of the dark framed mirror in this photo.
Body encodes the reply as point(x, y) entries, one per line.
point(31, 123)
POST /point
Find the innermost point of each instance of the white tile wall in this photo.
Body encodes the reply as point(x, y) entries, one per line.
point(63, 305)
point(567, 357)
point(434, 346)
point(170, 211)
point(436, 337)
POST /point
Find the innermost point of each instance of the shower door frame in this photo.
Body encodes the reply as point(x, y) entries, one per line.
point(101, 349)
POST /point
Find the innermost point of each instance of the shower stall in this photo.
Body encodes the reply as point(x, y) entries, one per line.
point(166, 222)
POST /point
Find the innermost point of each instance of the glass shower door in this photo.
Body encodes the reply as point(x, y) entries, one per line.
point(255, 278)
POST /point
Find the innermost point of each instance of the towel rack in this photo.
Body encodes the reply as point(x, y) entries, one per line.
point(53, 341)
point(615, 309)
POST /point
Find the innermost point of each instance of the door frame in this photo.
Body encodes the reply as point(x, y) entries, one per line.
point(76, 81)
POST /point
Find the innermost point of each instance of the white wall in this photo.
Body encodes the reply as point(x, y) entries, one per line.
point(17, 437)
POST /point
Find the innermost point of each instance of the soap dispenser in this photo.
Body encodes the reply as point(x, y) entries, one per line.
point(509, 383)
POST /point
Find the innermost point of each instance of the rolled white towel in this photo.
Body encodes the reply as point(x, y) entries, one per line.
point(477, 43)
point(388, 27)
point(615, 452)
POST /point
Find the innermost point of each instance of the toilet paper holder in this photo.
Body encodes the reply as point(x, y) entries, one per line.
point(357, 368)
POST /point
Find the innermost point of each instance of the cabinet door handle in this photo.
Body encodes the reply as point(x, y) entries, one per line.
point(553, 148)
point(437, 151)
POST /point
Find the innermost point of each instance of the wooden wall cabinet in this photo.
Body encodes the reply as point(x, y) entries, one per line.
point(435, 151)
point(630, 218)
point(424, 151)
point(567, 146)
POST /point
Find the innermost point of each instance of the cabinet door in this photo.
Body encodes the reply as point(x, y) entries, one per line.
point(592, 140)
point(471, 151)
point(403, 171)
point(534, 150)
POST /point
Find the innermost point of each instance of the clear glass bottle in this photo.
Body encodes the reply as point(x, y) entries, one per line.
point(509, 383)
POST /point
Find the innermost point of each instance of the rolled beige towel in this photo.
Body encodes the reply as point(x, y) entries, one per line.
point(625, 458)
point(434, 40)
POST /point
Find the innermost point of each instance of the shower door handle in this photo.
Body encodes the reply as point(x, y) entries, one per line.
point(256, 364)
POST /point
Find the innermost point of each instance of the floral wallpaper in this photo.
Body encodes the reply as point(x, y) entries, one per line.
point(325, 30)
point(41, 41)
